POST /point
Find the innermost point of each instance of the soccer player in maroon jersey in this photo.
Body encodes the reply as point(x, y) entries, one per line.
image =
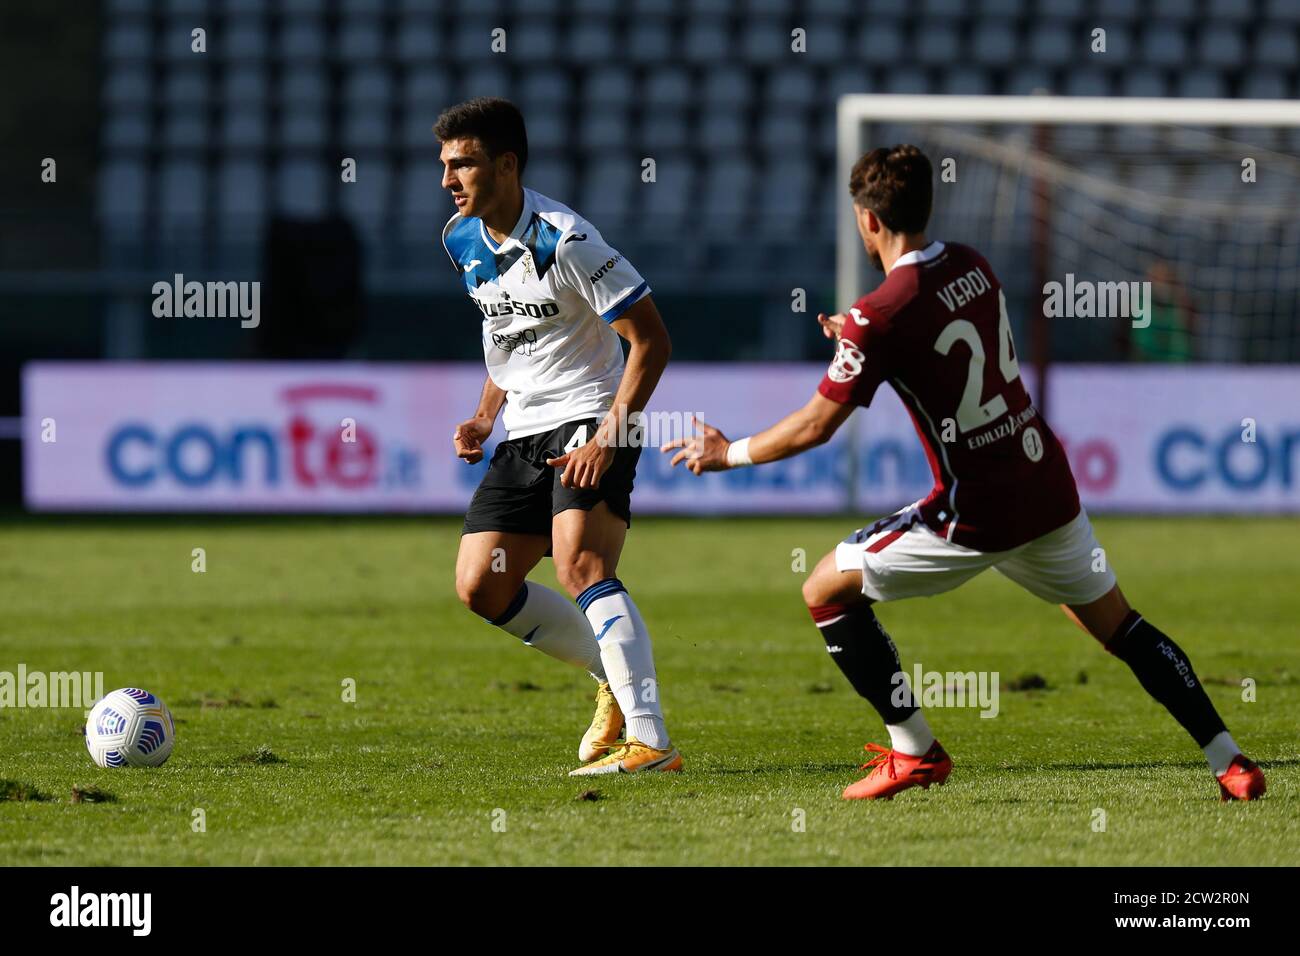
point(936, 329)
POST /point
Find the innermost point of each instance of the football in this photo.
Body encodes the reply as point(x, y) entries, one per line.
point(130, 727)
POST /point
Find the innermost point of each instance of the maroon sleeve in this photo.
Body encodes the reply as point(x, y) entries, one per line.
point(859, 365)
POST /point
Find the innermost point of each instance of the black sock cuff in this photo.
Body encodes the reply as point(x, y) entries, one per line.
point(1118, 642)
point(516, 605)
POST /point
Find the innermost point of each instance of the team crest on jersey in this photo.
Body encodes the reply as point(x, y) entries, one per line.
point(847, 364)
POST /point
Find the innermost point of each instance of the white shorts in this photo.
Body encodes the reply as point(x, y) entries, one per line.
point(900, 557)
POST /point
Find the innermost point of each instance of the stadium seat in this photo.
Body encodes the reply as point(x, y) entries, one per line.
point(1026, 81)
point(779, 132)
point(727, 196)
point(1184, 10)
point(1205, 84)
point(662, 130)
point(906, 79)
point(606, 192)
point(303, 128)
point(666, 202)
point(727, 86)
point(419, 40)
point(1220, 45)
point(650, 42)
point(1243, 11)
point(544, 88)
point(593, 41)
point(240, 40)
point(765, 42)
point(720, 132)
point(994, 9)
point(486, 78)
point(826, 41)
point(533, 39)
point(123, 194)
point(790, 86)
point(241, 194)
point(706, 41)
point(668, 87)
point(1264, 85)
point(1087, 82)
point(937, 46)
point(368, 86)
point(784, 195)
point(300, 185)
point(1143, 81)
point(1051, 44)
point(848, 79)
point(603, 130)
point(1277, 48)
point(944, 11)
point(608, 86)
point(548, 128)
point(994, 44)
point(247, 85)
point(839, 9)
point(1119, 11)
point(366, 201)
point(1164, 44)
point(880, 42)
point(1281, 11)
point(127, 131)
point(365, 128)
point(128, 86)
point(360, 38)
point(551, 176)
point(243, 128)
point(966, 81)
point(182, 188)
point(473, 39)
point(304, 86)
point(1056, 10)
point(302, 41)
point(426, 89)
point(186, 130)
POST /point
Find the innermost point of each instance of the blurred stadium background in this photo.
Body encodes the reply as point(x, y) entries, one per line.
point(225, 165)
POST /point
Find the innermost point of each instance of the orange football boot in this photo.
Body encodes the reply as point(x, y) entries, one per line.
point(1243, 780)
point(895, 771)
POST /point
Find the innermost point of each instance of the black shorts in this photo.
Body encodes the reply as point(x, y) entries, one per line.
point(521, 493)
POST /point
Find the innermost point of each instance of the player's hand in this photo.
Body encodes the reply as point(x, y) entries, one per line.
point(706, 451)
point(585, 465)
point(831, 325)
point(469, 437)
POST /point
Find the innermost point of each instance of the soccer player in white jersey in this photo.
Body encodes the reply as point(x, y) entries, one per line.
point(555, 298)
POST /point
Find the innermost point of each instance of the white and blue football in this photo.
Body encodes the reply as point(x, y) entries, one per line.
point(130, 727)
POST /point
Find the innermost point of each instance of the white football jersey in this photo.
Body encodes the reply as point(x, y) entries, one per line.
point(548, 294)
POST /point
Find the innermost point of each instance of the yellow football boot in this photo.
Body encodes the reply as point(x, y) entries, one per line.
point(632, 757)
point(606, 726)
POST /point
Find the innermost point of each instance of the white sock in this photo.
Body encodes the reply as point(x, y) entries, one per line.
point(550, 622)
point(629, 660)
point(912, 736)
point(1220, 751)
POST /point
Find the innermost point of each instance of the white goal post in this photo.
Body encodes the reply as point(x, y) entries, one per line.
point(1134, 184)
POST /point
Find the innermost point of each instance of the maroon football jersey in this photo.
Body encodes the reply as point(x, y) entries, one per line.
point(937, 330)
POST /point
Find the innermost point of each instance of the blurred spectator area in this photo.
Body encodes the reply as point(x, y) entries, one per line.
point(197, 151)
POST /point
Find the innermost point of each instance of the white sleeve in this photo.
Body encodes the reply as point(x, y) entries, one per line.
point(601, 275)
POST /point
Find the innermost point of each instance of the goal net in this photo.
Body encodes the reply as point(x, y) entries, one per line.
point(1199, 198)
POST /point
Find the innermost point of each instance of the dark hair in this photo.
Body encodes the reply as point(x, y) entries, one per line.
point(896, 183)
point(494, 122)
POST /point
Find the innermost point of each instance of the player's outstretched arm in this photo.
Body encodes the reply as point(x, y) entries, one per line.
point(470, 434)
point(812, 425)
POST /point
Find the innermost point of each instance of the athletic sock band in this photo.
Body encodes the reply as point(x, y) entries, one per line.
point(516, 604)
point(599, 590)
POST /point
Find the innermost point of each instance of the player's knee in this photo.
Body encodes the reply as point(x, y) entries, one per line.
point(482, 595)
point(577, 572)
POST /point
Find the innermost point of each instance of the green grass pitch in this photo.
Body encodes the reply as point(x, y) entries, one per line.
point(456, 748)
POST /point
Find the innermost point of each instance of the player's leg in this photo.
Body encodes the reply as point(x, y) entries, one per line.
point(898, 557)
point(507, 531)
point(587, 548)
point(491, 572)
point(1063, 567)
